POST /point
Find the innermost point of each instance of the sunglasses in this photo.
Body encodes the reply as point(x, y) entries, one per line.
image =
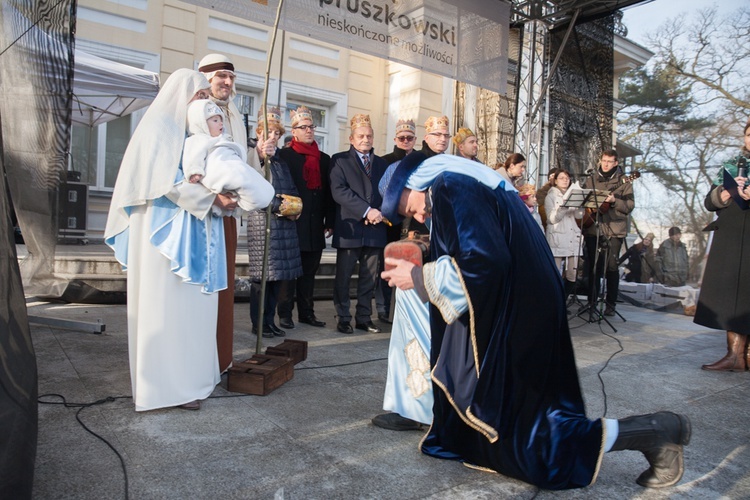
point(405, 138)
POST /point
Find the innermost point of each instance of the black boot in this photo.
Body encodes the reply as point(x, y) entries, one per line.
point(660, 437)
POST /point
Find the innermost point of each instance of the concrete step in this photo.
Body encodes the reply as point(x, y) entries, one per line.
point(95, 276)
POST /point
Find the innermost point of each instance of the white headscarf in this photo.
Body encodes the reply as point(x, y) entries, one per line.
point(150, 163)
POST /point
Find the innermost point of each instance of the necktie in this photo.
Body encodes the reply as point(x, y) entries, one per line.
point(366, 164)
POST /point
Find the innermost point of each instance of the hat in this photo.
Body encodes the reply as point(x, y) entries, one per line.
point(406, 126)
point(434, 123)
point(649, 236)
point(299, 114)
point(674, 230)
point(212, 63)
point(396, 183)
point(360, 120)
point(198, 112)
point(462, 134)
point(274, 119)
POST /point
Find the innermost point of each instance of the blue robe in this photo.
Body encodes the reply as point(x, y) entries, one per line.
point(506, 389)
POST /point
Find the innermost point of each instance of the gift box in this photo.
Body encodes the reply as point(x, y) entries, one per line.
point(260, 375)
point(296, 350)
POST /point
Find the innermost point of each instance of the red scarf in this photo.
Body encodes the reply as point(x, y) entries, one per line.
point(311, 168)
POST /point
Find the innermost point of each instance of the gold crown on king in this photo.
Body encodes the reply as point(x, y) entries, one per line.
point(360, 120)
point(434, 123)
point(462, 134)
point(299, 114)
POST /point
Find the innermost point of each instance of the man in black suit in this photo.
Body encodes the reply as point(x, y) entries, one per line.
point(358, 233)
point(310, 170)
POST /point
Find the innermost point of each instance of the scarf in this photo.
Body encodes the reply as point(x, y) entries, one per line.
point(311, 168)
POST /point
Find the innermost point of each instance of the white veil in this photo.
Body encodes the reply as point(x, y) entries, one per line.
point(150, 163)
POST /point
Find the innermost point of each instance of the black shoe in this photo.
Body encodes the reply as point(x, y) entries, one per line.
point(312, 321)
point(395, 422)
point(660, 437)
point(368, 326)
point(275, 330)
point(609, 310)
point(267, 333)
point(286, 323)
point(383, 318)
point(344, 327)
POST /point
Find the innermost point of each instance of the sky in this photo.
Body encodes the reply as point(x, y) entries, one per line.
point(646, 18)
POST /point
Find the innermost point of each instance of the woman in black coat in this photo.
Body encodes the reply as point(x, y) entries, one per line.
point(724, 301)
point(284, 261)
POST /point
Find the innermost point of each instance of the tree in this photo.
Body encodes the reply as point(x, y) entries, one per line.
point(683, 112)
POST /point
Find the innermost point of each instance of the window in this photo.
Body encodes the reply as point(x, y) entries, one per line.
point(245, 102)
point(97, 152)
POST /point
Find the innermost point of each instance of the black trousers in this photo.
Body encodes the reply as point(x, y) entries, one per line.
point(302, 288)
point(269, 311)
point(346, 260)
point(609, 251)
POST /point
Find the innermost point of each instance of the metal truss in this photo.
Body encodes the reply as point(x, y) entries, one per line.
point(538, 18)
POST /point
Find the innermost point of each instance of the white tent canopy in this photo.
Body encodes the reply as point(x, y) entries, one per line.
point(104, 90)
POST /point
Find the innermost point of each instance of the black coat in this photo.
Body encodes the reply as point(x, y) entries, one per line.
point(318, 208)
point(353, 193)
point(724, 301)
point(394, 156)
point(284, 262)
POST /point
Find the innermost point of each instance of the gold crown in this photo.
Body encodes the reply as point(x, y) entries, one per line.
point(360, 120)
point(462, 134)
point(434, 123)
point(299, 114)
point(273, 114)
point(406, 126)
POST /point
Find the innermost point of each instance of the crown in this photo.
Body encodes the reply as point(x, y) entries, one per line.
point(273, 114)
point(434, 123)
point(462, 134)
point(299, 114)
point(360, 120)
point(406, 126)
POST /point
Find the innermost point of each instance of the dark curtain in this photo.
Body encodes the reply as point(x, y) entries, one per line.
point(36, 47)
point(581, 95)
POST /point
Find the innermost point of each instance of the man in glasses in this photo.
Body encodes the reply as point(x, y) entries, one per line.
point(404, 141)
point(436, 137)
point(310, 169)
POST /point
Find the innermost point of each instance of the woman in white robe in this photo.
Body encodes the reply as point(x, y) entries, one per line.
point(164, 234)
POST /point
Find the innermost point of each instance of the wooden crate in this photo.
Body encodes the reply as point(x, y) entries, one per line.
point(260, 375)
point(294, 349)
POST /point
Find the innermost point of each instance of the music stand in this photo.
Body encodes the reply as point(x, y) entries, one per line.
point(594, 199)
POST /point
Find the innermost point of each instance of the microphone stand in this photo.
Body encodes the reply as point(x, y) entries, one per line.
point(595, 314)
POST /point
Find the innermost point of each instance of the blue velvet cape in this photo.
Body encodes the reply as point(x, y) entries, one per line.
point(520, 412)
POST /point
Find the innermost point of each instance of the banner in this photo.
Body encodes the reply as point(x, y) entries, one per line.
point(466, 40)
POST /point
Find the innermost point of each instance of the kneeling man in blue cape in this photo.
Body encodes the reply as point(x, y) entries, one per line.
point(504, 380)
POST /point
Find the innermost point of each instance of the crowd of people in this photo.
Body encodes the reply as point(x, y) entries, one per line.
point(189, 170)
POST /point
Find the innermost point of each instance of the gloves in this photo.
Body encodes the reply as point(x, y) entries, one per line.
point(291, 206)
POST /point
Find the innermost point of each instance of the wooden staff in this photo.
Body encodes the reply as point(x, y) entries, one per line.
point(267, 173)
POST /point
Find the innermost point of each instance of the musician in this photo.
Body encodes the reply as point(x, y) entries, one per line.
point(612, 218)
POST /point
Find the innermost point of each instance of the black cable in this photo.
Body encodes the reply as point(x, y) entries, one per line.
point(343, 364)
point(83, 406)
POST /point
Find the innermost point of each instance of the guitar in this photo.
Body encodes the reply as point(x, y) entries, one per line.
point(589, 215)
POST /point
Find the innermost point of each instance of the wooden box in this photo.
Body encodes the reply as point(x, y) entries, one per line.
point(259, 375)
point(294, 349)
